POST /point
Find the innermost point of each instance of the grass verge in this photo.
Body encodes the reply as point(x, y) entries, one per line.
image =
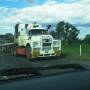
point(73, 51)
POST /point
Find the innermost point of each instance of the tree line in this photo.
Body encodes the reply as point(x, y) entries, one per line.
point(7, 38)
point(68, 33)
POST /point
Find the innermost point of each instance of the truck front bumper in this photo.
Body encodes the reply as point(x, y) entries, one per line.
point(37, 54)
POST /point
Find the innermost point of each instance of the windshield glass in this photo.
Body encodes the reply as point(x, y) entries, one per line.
point(43, 34)
point(37, 32)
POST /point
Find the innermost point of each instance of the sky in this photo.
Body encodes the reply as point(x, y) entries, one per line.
point(76, 12)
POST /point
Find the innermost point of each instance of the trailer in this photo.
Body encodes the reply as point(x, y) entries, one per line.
point(33, 41)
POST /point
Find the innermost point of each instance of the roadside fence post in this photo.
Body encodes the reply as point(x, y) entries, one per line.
point(80, 50)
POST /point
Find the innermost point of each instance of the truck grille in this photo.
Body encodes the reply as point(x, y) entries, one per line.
point(46, 44)
point(46, 48)
point(45, 40)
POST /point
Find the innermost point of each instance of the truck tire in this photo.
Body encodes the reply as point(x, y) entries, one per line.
point(28, 52)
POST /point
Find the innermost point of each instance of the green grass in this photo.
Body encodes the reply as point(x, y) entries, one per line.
point(73, 51)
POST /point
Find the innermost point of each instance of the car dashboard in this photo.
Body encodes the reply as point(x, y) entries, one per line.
point(68, 81)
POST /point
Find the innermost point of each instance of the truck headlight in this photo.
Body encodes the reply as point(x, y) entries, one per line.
point(36, 44)
point(55, 43)
point(36, 49)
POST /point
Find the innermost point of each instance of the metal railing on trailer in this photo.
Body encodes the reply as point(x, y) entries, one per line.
point(6, 47)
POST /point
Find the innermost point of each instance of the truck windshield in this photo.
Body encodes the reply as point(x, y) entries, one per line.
point(43, 34)
point(37, 32)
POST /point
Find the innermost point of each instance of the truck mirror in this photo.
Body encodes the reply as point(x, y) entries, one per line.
point(48, 27)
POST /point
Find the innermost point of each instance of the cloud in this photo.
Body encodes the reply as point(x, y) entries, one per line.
point(50, 2)
point(49, 12)
point(75, 13)
point(85, 1)
point(78, 1)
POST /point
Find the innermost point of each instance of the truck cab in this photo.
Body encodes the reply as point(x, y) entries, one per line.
point(38, 41)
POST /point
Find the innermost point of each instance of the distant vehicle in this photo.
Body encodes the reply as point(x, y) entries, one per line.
point(33, 40)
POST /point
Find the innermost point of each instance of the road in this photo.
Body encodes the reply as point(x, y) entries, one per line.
point(9, 61)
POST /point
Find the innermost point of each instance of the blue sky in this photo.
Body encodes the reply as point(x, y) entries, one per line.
point(25, 3)
point(21, 3)
point(45, 11)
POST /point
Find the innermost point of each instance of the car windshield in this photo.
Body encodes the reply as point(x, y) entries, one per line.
point(39, 37)
point(37, 32)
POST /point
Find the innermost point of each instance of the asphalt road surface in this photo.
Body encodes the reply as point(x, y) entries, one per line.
point(9, 61)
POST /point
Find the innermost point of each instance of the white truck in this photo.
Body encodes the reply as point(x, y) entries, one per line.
point(33, 41)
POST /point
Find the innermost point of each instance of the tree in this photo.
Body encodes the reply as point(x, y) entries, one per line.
point(87, 39)
point(66, 32)
point(59, 29)
point(54, 34)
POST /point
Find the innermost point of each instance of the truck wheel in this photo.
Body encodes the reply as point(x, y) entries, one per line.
point(28, 52)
